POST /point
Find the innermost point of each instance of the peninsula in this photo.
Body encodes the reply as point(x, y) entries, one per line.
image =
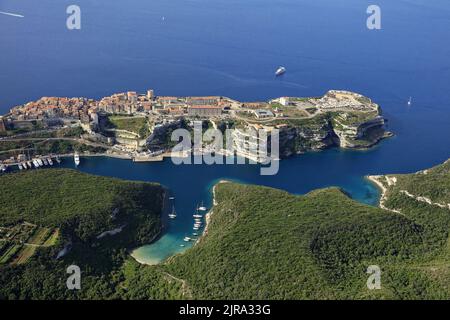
point(139, 126)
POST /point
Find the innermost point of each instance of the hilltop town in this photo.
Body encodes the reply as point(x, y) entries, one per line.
point(138, 126)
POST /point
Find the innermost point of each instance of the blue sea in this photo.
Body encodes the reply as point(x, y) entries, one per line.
point(232, 48)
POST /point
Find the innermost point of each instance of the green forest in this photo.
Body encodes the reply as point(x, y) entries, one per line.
point(82, 206)
point(261, 243)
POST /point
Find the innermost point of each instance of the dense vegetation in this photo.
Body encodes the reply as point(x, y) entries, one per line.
point(82, 207)
point(44, 147)
point(137, 125)
point(261, 243)
point(267, 244)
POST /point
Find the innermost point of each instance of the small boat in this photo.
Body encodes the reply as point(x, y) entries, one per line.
point(30, 165)
point(58, 160)
point(50, 161)
point(76, 158)
point(2, 168)
point(171, 198)
point(45, 161)
point(41, 164)
point(195, 228)
point(36, 163)
point(173, 215)
point(195, 234)
point(20, 166)
point(197, 216)
point(280, 71)
point(410, 101)
point(182, 245)
point(202, 207)
point(24, 165)
point(187, 239)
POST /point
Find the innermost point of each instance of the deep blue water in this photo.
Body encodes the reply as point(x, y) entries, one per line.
point(232, 47)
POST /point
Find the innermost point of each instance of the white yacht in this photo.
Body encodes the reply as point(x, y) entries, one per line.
point(280, 71)
point(173, 215)
point(76, 158)
point(202, 207)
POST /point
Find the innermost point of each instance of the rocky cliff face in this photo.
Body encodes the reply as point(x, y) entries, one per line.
point(331, 131)
point(160, 139)
point(360, 134)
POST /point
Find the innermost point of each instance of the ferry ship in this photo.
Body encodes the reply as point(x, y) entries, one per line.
point(76, 158)
point(280, 71)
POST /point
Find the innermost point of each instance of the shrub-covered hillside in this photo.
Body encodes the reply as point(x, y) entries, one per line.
point(267, 244)
point(81, 207)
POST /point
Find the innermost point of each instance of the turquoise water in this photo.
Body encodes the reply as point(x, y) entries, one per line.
point(232, 48)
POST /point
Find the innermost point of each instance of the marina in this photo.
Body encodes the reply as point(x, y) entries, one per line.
point(33, 163)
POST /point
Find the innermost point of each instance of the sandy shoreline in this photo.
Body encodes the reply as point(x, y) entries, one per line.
point(164, 214)
point(200, 238)
point(376, 180)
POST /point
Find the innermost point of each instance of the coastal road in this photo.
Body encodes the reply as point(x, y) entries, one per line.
point(79, 140)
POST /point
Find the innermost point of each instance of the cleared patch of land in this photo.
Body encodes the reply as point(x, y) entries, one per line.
point(52, 239)
point(40, 236)
point(24, 254)
point(137, 125)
